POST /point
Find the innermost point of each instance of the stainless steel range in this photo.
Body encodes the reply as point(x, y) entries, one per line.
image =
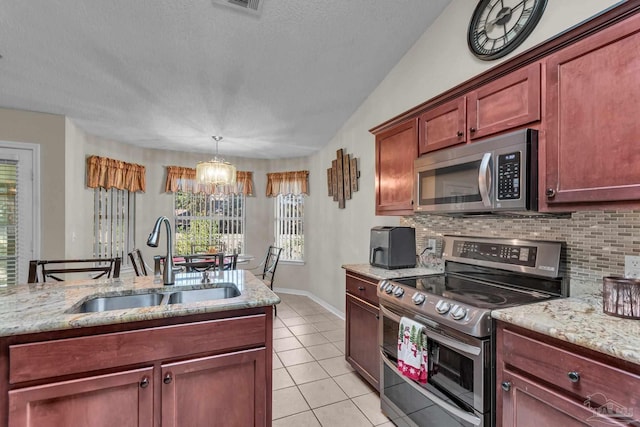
point(454, 310)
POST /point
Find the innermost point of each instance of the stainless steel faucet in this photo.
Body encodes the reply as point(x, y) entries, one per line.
point(169, 273)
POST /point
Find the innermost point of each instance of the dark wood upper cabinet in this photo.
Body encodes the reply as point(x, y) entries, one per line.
point(592, 126)
point(443, 126)
point(507, 103)
point(396, 150)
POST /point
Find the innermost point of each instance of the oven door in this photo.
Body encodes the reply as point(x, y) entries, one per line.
point(457, 392)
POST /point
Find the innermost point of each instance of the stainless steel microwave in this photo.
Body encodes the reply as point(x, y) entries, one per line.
point(499, 174)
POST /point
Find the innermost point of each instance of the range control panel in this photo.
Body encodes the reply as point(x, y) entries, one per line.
point(496, 252)
point(509, 176)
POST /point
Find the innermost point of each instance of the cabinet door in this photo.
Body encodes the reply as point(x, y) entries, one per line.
point(396, 150)
point(507, 103)
point(362, 339)
point(592, 126)
point(443, 126)
point(224, 390)
point(123, 399)
point(526, 403)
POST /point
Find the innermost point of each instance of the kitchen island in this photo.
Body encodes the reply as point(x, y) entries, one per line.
point(166, 364)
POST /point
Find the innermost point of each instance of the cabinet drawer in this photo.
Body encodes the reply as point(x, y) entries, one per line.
point(28, 362)
point(598, 384)
point(363, 289)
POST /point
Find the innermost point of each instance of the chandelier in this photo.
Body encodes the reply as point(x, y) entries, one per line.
point(216, 171)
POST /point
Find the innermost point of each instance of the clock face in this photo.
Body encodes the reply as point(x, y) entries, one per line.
point(497, 27)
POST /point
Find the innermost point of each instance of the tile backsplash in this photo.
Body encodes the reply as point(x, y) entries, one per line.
point(597, 241)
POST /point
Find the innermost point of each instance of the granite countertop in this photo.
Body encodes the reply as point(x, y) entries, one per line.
point(381, 273)
point(42, 307)
point(579, 320)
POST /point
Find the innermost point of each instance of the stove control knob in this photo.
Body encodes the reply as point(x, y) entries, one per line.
point(458, 313)
point(383, 284)
point(418, 298)
point(398, 291)
point(389, 288)
point(442, 307)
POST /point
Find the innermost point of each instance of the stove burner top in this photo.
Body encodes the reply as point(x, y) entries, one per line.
point(471, 292)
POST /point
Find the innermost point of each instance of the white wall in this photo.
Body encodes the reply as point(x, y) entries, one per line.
point(438, 61)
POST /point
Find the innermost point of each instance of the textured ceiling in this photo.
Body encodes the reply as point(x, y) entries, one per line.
point(171, 73)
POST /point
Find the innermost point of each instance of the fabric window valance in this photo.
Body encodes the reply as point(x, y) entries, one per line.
point(296, 182)
point(111, 173)
point(184, 179)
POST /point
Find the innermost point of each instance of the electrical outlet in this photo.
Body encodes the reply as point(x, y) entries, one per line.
point(431, 247)
point(632, 267)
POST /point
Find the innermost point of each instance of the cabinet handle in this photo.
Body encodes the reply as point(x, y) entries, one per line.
point(472, 130)
point(167, 378)
point(506, 385)
point(378, 316)
point(361, 288)
point(550, 193)
point(144, 383)
point(574, 376)
point(460, 134)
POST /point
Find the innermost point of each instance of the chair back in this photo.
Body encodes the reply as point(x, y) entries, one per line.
point(208, 262)
point(270, 265)
point(230, 262)
point(52, 269)
point(138, 263)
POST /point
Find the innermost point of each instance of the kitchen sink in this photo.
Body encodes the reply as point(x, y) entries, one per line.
point(220, 291)
point(119, 302)
point(224, 290)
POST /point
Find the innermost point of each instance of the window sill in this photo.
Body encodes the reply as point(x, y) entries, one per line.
point(301, 263)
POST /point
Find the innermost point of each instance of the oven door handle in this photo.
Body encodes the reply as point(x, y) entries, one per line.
point(454, 344)
point(466, 416)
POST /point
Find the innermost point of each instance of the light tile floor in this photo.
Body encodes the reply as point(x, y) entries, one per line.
point(313, 385)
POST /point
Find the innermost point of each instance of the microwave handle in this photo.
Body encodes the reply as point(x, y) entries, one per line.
point(484, 179)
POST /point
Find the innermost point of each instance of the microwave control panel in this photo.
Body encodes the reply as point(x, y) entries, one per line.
point(509, 167)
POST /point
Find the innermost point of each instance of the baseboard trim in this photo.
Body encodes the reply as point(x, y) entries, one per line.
point(315, 299)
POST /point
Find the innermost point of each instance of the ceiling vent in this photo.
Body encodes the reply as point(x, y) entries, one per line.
point(250, 6)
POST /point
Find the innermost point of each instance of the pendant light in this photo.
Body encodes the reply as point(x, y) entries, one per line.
point(216, 171)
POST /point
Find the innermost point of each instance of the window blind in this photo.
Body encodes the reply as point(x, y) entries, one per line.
point(9, 251)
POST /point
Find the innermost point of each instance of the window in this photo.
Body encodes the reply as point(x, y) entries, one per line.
point(114, 219)
point(204, 222)
point(8, 222)
point(289, 226)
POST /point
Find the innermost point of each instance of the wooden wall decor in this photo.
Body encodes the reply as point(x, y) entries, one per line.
point(342, 178)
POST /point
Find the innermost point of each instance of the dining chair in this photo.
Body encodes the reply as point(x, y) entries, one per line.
point(269, 266)
point(208, 262)
point(230, 262)
point(52, 269)
point(138, 263)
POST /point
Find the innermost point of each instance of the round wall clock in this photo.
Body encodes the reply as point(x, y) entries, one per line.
point(497, 27)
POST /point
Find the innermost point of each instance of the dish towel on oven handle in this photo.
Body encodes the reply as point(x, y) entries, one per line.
point(412, 350)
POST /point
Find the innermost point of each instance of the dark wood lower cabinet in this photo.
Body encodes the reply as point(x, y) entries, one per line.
point(215, 391)
point(362, 342)
point(362, 312)
point(543, 381)
point(204, 372)
point(123, 399)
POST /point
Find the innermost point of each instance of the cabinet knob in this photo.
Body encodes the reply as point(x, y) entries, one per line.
point(167, 378)
point(472, 130)
point(574, 376)
point(506, 385)
point(361, 288)
point(550, 193)
point(144, 383)
point(460, 134)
